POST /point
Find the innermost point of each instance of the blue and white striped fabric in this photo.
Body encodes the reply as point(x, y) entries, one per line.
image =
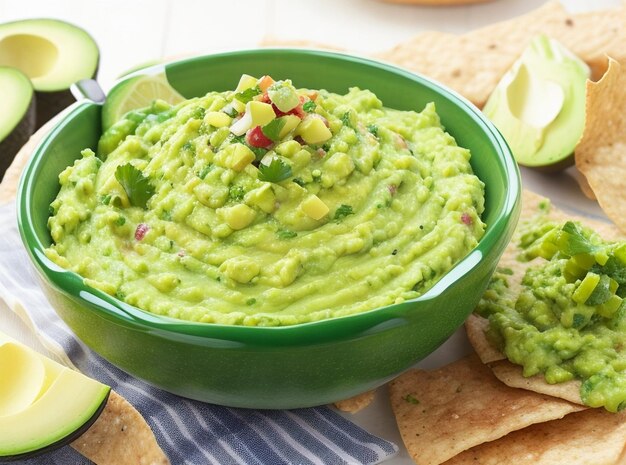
point(190, 432)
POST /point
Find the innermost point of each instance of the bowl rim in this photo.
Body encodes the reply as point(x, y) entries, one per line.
point(72, 285)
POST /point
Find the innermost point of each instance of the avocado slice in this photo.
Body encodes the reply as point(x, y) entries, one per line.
point(539, 104)
point(17, 118)
point(43, 405)
point(54, 55)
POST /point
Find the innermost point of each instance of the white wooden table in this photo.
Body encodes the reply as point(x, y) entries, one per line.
point(132, 32)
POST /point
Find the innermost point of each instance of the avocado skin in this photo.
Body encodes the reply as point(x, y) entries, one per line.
point(49, 104)
point(61, 442)
point(560, 165)
point(18, 137)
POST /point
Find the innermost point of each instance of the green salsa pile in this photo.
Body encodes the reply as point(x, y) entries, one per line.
point(569, 319)
point(268, 205)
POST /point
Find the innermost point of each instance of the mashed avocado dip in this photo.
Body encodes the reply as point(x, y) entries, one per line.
point(569, 319)
point(268, 206)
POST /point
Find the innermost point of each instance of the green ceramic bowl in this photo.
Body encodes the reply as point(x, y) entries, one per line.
point(284, 367)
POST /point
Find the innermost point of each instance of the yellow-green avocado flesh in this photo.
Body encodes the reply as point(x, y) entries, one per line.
point(17, 118)
point(539, 105)
point(53, 54)
point(351, 206)
point(566, 319)
point(43, 404)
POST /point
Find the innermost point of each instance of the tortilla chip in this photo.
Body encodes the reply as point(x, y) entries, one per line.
point(357, 403)
point(601, 152)
point(511, 375)
point(444, 412)
point(475, 326)
point(584, 185)
point(473, 63)
point(120, 436)
point(591, 437)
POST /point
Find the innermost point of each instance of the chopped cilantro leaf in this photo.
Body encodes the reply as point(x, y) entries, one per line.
point(198, 113)
point(251, 301)
point(276, 171)
point(189, 147)
point(259, 152)
point(105, 199)
point(248, 94)
point(309, 106)
point(343, 211)
point(410, 399)
point(286, 234)
point(205, 170)
point(345, 119)
point(135, 184)
point(121, 221)
point(579, 320)
point(230, 111)
point(272, 129)
point(601, 293)
point(373, 129)
point(299, 182)
point(236, 193)
point(574, 241)
point(238, 139)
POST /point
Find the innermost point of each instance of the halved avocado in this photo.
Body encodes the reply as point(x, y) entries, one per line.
point(43, 405)
point(54, 55)
point(17, 118)
point(539, 105)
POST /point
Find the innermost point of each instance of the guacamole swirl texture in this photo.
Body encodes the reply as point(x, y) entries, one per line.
point(219, 210)
point(569, 319)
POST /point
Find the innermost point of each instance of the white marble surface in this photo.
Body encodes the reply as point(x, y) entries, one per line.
point(134, 32)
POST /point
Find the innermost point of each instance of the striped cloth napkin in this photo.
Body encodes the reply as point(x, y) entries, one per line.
point(190, 432)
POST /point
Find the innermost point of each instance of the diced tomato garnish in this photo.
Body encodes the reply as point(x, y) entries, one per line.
point(265, 82)
point(141, 231)
point(266, 99)
point(256, 138)
point(466, 219)
point(312, 94)
point(298, 111)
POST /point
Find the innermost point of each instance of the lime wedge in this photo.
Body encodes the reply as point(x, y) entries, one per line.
point(134, 93)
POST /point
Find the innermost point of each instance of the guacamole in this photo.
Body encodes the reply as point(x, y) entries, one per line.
point(568, 320)
point(268, 205)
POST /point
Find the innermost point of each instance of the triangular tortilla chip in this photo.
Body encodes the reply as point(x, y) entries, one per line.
point(357, 403)
point(474, 62)
point(591, 437)
point(475, 326)
point(601, 152)
point(443, 412)
point(120, 436)
point(511, 375)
